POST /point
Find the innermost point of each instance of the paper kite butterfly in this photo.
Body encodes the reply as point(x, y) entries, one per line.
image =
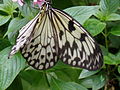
point(54, 35)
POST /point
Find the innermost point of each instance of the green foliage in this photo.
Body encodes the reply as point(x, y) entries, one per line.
point(101, 19)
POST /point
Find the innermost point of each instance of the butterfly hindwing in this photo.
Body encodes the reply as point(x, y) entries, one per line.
point(76, 46)
point(41, 52)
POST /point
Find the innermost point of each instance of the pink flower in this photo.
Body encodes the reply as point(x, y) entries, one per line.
point(38, 2)
point(35, 2)
point(20, 2)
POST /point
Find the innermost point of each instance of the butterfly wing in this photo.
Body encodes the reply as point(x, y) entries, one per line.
point(76, 46)
point(24, 35)
point(53, 34)
point(41, 51)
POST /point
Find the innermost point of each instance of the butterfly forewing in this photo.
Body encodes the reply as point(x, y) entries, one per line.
point(24, 35)
point(76, 46)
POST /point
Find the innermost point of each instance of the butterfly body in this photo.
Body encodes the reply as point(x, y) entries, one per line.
point(54, 35)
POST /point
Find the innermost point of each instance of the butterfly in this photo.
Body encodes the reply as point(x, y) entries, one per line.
point(54, 35)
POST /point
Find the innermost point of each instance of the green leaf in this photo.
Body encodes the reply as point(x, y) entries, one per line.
point(9, 6)
point(15, 86)
point(115, 41)
point(98, 82)
point(15, 25)
point(9, 68)
point(94, 26)
point(109, 6)
point(34, 80)
point(13, 28)
point(82, 13)
point(112, 59)
point(86, 82)
point(104, 50)
point(95, 82)
point(68, 74)
point(115, 30)
point(4, 43)
point(113, 17)
point(61, 85)
point(119, 69)
point(86, 73)
point(77, 86)
point(28, 12)
point(4, 19)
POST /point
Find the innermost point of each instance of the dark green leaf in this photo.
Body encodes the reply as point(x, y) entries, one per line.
point(9, 68)
point(115, 30)
point(34, 80)
point(61, 85)
point(68, 74)
point(16, 85)
point(115, 41)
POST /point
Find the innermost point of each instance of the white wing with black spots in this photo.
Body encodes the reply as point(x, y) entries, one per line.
point(53, 35)
point(76, 46)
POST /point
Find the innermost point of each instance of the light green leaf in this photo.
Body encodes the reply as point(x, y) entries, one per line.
point(108, 6)
point(86, 82)
point(115, 30)
point(15, 25)
point(113, 17)
point(13, 28)
point(98, 82)
point(119, 69)
point(4, 19)
point(82, 13)
point(95, 82)
point(86, 73)
point(112, 59)
point(9, 68)
point(94, 26)
point(9, 6)
point(28, 12)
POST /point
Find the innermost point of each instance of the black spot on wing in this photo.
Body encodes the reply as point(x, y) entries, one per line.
point(61, 34)
point(83, 35)
point(71, 26)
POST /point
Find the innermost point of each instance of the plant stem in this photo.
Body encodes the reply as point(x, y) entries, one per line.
point(45, 73)
point(106, 40)
point(12, 16)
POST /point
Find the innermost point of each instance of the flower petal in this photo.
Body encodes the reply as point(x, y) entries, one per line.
point(14, 0)
point(21, 2)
